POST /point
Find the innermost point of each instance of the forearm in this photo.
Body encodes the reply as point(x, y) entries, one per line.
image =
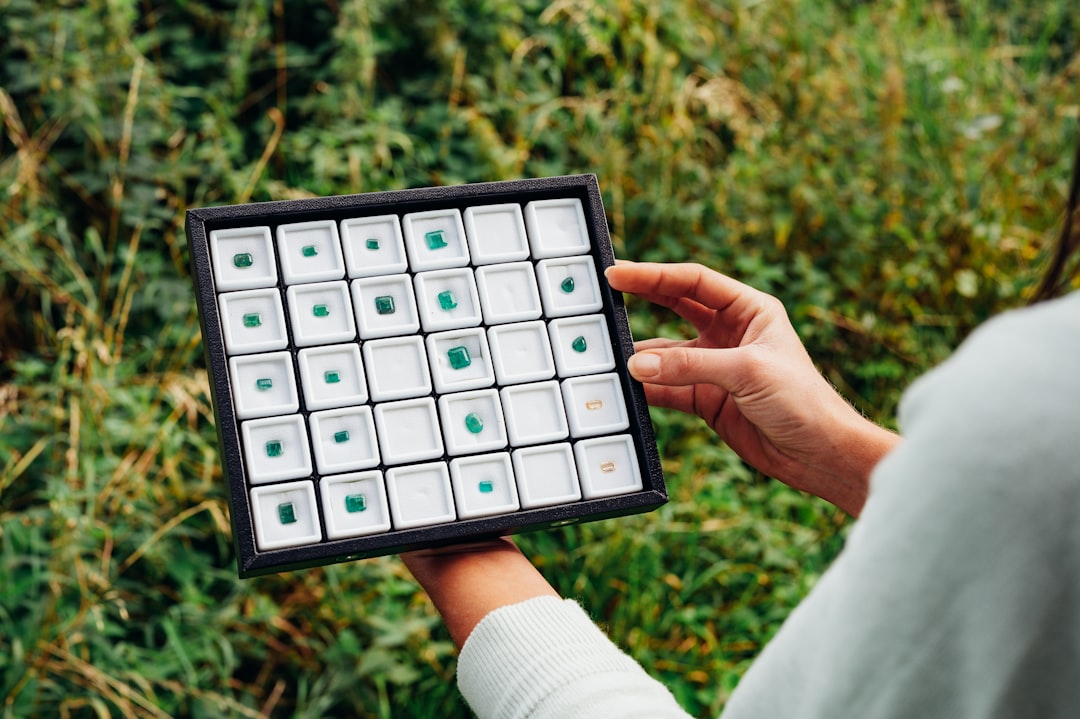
point(467, 582)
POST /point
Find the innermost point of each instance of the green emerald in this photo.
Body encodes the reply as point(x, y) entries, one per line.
point(372, 244)
point(263, 383)
point(435, 239)
point(567, 285)
point(579, 345)
point(384, 305)
point(486, 486)
point(342, 436)
point(252, 319)
point(473, 423)
point(355, 503)
point(459, 357)
point(286, 513)
point(320, 310)
point(243, 259)
point(331, 376)
point(446, 300)
point(274, 448)
point(309, 250)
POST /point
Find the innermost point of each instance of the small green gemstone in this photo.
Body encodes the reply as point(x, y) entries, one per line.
point(446, 300)
point(567, 285)
point(243, 259)
point(372, 244)
point(320, 311)
point(578, 345)
point(286, 513)
point(252, 319)
point(459, 357)
point(473, 423)
point(384, 305)
point(331, 376)
point(355, 503)
point(435, 239)
point(309, 250)
point(342, 436)
point(263, 383)
point(486, 486)
point(274, 448)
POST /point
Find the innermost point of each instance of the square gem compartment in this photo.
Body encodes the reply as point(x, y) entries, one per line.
point(496, 233)
point(484, 485)
point(420, 495)
point(508, 293)
point(286, 515)
point(397, 368)
point(263, 385)
point(243, 258)
point(355, 504)
point(344, 439)
point(332, 376)
point(435, 240)
point(252, 321)
point(310, 252)
point(569, 286)
point(385, 306)
point(320, 313)
point(373, 246)
point(447, 299)
point(521, 352)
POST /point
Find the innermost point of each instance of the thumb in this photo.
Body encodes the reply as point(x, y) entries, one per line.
point(675, 366)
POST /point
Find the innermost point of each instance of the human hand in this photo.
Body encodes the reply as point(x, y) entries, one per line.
point(750, 378)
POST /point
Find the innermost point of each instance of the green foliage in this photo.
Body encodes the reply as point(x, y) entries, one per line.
point(889, 169)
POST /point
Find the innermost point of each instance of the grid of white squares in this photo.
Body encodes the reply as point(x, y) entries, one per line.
point(420, 369)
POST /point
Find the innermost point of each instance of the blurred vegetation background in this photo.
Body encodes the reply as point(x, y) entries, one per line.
point(892, 170)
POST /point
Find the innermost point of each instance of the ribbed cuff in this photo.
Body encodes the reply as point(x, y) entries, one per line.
point(545, 657)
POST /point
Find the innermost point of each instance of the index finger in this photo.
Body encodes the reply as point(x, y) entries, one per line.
point(692, 281)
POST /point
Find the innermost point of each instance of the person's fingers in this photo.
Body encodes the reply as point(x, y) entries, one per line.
point(690, 310)
point(680, 365)
point(668, 397)
point(661, 343)
point(693, 281)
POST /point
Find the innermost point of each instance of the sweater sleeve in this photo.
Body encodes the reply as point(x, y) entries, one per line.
point(958, 591)
point(545, 658)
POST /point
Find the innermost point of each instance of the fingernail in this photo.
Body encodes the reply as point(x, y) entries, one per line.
point(644, 365)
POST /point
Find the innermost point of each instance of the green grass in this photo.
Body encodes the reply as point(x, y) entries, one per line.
point(891, 169)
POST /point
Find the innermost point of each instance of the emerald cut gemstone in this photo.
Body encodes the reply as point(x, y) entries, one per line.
point(372, 244)
point(486, 486)
point(274, 448)
point(447, 301)
point(320, 311)
point(355, 503)
point(263, 383)
point(252, 319)
point(579, 344)
point(567, 285)
point(384, 305)
point(331, 376)
point(342, 436)
point(286, 513)
point(436, 239)
point(473, 423)
point(459, 357)
point(309, 251)
point(243, 259)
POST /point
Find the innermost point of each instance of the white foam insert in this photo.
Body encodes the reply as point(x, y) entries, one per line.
point(478, 373)
point(362, 260)
point(461, 286)
point(483, 485)
point(263, 385)
point(270, 332)
point(334, 321)
point(397, 368)
point(344, 439)
point(366, 293)
point(297, 265)
point(256, 247)
point(556, 228)
point(508, 293)
point(546, 475)
point(607, 466)
point(496, 233)
point(424, 254)
point(584, 296)
point(521, 352)
point(320, 366)
point(595, 405)
point(597, 357)
point(408, 431)
point(270, 532)
point(293, 461)
point(534, 413)
point(420, 495)
point(463, 412)
point(373, 518)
